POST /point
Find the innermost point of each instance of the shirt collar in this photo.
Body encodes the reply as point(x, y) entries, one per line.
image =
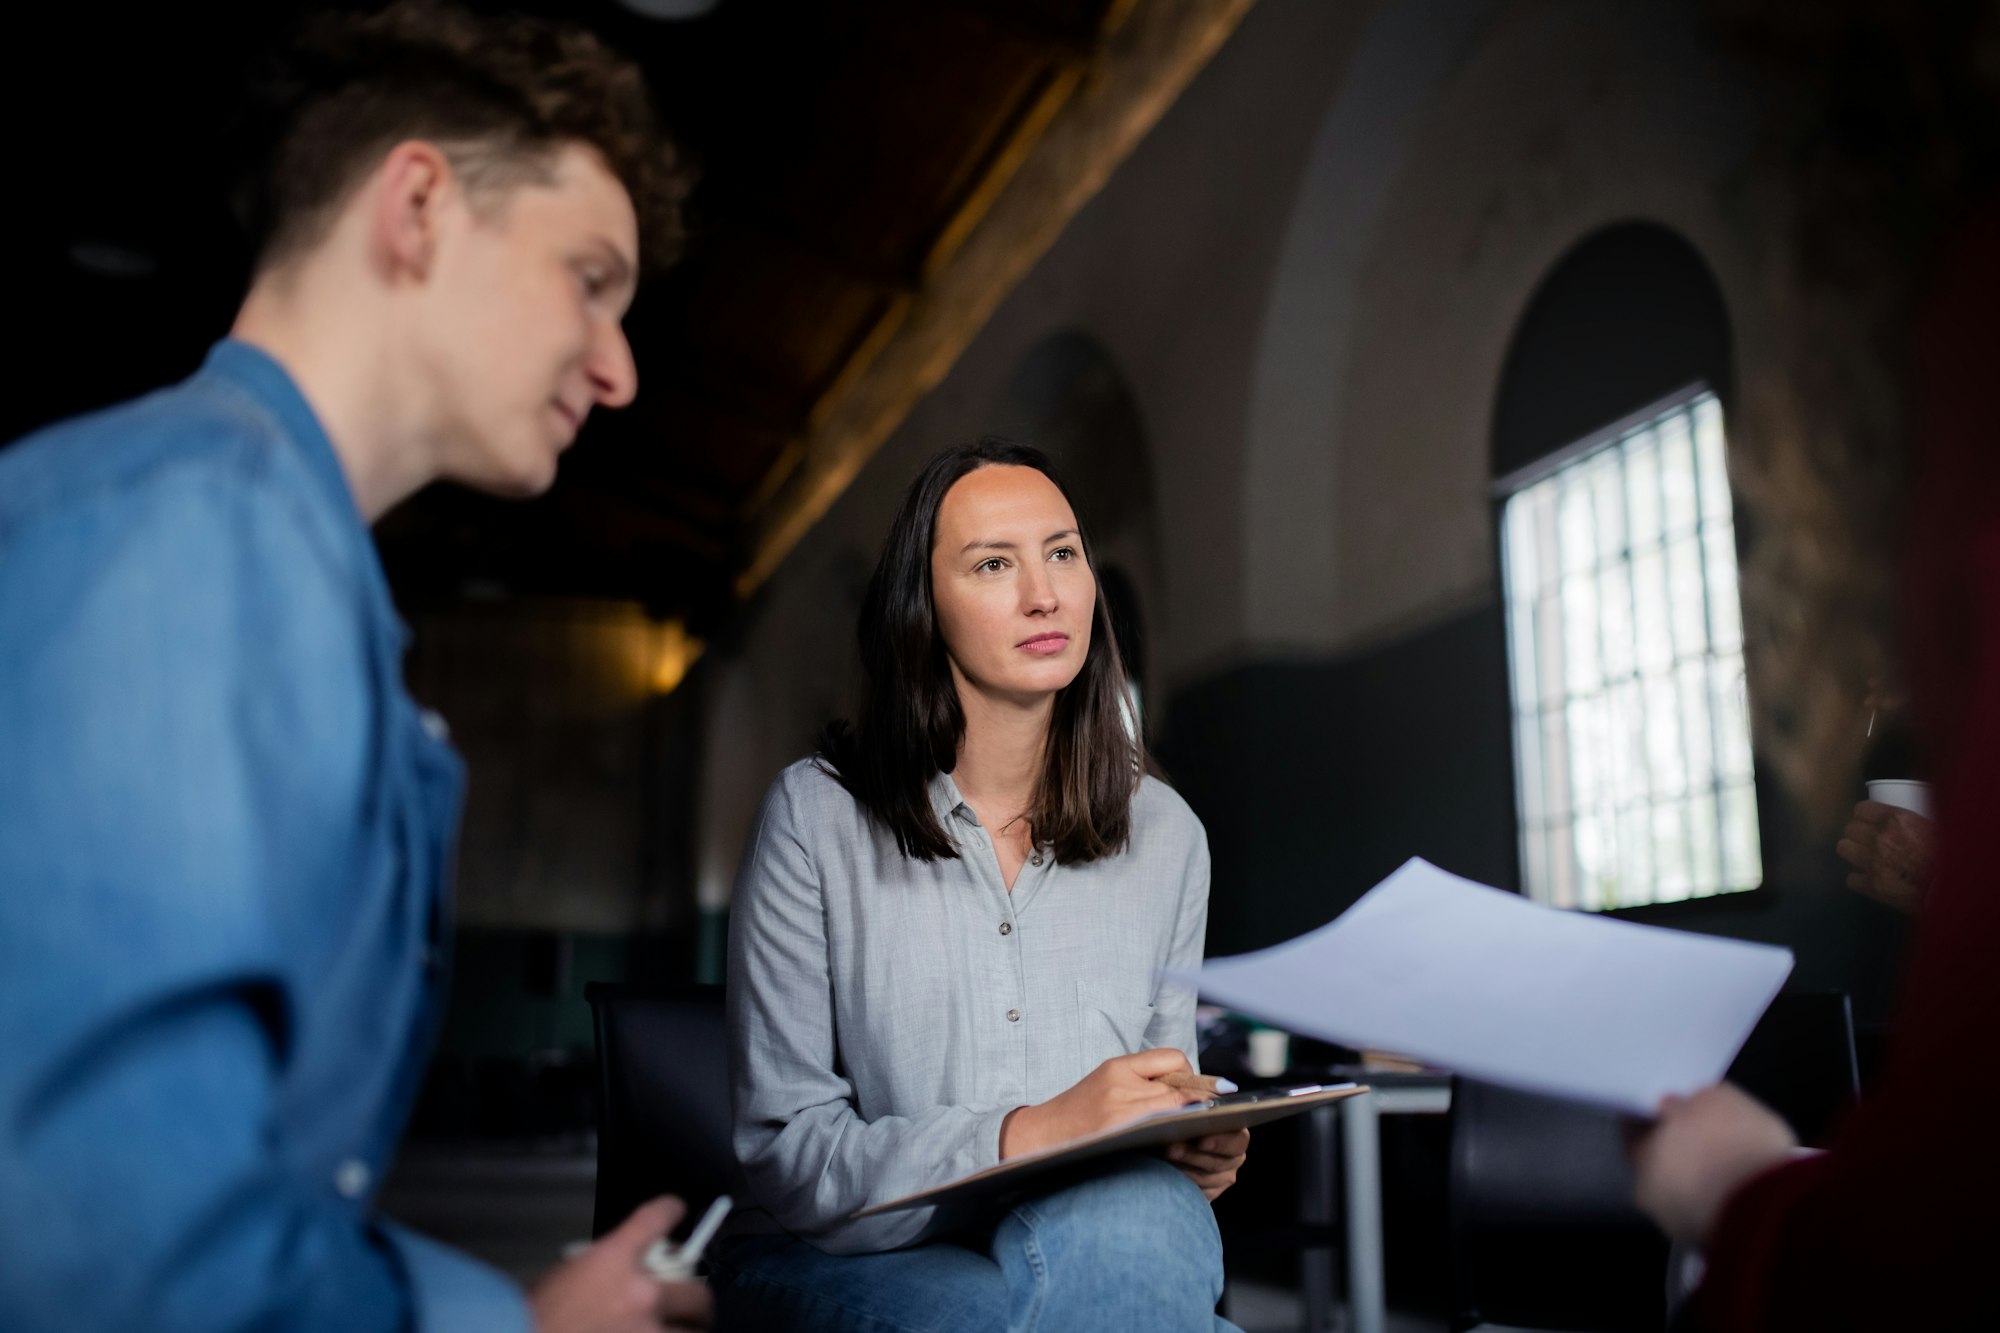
point(946, 801)
point(257, 373)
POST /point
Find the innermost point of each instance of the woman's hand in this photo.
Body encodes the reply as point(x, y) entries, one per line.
point(1891, 850)
point(1212, 1162)
point(1699, 1152)
point(1117, 1092)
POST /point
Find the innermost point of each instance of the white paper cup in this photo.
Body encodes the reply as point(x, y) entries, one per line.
point(1904, 794)
point(1269, 1049)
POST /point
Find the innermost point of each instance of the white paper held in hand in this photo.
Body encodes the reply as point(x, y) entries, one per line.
point(1490, 985)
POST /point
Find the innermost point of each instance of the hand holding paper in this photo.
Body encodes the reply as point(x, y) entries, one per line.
point(1490, 985)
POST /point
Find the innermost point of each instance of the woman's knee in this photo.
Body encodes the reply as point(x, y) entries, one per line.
point(1144, 1207)
point(1133, 1247)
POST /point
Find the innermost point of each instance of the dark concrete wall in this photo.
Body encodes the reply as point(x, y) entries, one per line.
point(1315, 780)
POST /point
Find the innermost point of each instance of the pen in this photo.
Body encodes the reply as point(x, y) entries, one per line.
point(669, 1264)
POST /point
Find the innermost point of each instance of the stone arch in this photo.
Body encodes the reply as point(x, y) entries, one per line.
point(1290, 592)
point(1439, 193)
point(1630, 314)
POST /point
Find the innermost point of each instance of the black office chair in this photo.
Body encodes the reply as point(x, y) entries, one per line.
point(663, 1099)
point(1544, 1233)
point(1800, 1061)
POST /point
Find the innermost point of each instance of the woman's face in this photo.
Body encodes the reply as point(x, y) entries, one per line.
point(1013, 592)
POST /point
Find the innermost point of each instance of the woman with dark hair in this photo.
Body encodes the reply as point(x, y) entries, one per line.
point(946, 947)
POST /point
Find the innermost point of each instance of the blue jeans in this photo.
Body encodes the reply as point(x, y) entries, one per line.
point(1133, 1248)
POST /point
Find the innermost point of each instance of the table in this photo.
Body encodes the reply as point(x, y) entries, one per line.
point(1354, 1121)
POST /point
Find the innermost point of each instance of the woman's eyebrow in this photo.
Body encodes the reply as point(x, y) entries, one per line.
point(970, 547)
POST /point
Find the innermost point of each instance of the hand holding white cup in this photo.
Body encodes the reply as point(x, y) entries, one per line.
point(1891, 843)
point(1904, 794)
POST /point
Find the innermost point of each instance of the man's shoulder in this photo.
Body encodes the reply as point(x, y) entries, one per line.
point(194, 472)
point(190, 432)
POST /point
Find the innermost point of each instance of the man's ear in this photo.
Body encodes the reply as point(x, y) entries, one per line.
point(408, 195)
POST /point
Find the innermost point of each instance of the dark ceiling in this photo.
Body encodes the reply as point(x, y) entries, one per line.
point(848, 149)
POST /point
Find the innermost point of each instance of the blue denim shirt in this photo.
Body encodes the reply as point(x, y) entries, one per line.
point(224, 839)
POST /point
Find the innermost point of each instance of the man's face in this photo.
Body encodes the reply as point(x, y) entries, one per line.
point(522, 327)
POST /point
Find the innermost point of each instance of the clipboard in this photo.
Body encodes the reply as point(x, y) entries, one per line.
point(1239, 1110)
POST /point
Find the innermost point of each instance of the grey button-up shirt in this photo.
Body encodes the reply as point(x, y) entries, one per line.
point(885, 1013)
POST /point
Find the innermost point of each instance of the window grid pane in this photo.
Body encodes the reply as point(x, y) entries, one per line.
point(1625, 641)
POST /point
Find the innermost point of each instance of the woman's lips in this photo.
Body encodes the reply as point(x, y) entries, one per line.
point(1045, 644)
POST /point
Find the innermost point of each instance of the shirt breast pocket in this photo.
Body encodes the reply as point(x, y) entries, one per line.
point(1110, 1022)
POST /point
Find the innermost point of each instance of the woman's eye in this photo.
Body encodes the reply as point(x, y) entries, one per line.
point(993, 565)
point(1063, 553)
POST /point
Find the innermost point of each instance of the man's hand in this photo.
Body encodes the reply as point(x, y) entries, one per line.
point(1701, 1149)
point(1891, 850)
point(604, 1289)
point(1117, 1092)
point(1212, 1162)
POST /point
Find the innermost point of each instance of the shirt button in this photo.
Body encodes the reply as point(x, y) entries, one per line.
point(351, 1178)
point(1006, 927)
point(1013, 1015)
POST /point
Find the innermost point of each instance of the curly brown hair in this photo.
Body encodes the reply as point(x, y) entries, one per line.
point(501, 96)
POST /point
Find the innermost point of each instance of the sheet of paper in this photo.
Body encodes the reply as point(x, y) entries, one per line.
point(1488, 984)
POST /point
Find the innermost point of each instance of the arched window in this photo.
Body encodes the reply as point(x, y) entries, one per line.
point(1618, 554)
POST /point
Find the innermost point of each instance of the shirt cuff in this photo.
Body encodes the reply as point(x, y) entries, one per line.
point(452, 1292)
point(987, 1138)
point(916, 1226)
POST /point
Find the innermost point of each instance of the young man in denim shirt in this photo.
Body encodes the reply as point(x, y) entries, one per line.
point(224, 825)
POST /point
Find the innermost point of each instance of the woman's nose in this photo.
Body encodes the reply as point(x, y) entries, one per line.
point(1038, 590)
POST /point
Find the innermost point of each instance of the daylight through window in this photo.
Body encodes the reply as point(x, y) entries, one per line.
point(1631, 731)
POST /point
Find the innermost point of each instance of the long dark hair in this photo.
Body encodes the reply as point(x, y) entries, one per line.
point(911, 723)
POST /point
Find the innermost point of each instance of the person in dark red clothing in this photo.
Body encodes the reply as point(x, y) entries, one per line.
point(1895, 160)
point(1896, 1225)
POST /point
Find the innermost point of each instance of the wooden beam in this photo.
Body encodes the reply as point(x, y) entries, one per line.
point(1151, 57)
point(1079, 33)
point(1027, 134)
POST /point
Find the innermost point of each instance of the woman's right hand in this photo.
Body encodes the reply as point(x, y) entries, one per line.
point(1117, 1092)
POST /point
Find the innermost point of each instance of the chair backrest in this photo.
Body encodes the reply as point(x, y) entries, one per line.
point(663, 1122)
point(1544, 1231)
point(1800, 1061)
